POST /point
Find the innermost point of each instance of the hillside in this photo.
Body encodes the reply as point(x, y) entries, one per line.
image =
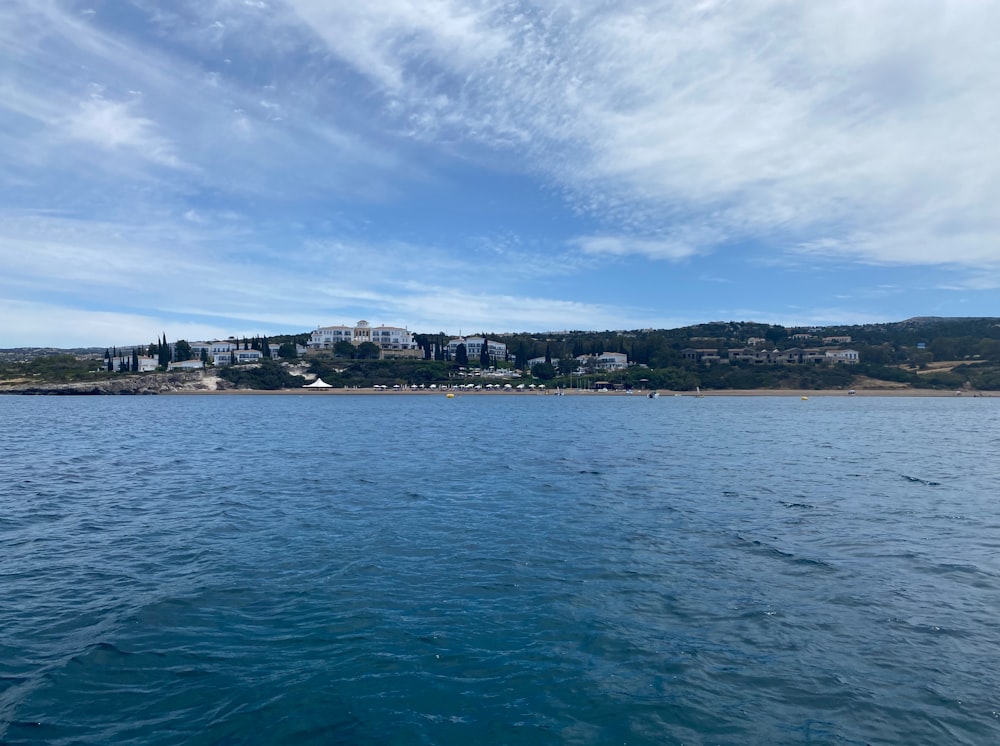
point(921, 352)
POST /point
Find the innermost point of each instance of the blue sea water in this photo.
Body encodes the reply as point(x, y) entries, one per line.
point(499, 570)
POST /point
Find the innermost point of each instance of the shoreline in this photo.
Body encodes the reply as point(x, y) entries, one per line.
point(664, 394)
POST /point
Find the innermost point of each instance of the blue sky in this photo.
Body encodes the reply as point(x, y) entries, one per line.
point(208, 168)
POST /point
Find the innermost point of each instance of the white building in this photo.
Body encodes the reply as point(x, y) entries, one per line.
point(220, 353)
point(325, 337)
point(604, 361)
point(474, 347)
point(843, 356)
point(248, 356)
point(539, 360)
point(198, 347)
point(124, 362)
point(186, 365)
point(388, 338)
point(612, 361)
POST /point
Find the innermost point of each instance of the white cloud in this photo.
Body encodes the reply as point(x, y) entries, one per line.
point(113, 125)
point(52, 325)
point(163, 267)
point(673, 248)
point(382, 39)
point(449, 309)
point(769, 119)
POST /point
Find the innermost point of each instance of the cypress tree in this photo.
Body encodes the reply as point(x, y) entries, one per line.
point(162, 343)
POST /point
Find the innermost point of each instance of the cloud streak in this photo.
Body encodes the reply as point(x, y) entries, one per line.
point(772, 118)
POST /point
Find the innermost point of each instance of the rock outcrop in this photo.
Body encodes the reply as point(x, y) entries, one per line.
point(153, 383)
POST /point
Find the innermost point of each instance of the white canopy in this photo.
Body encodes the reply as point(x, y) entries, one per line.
point(319, 383)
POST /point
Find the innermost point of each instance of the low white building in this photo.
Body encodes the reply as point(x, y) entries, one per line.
point(474, 347)
point(850, 357)
point(221, 353)
point(124, 363)
point(612, 361)
point(539, 360)
point(198, 347)
point(604, 361)
point(186, 365)
point(248, 356)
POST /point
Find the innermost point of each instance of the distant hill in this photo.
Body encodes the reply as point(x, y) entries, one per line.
point(24, 354)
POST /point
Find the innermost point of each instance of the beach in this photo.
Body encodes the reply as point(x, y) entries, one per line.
point(794, 393)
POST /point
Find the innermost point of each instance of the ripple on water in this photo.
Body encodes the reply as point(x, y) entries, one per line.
point(582, 571)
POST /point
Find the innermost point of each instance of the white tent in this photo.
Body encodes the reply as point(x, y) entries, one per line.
point(319, 383)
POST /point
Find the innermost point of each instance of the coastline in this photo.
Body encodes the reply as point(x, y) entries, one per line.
point(199, 384)
point(664, 394)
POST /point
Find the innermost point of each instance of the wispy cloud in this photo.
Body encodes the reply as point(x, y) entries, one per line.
point(114, 124)
point(771, 118)
point(673, 248)
point(87, 328)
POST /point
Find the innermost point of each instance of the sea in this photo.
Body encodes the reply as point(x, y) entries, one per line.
point(509, 569)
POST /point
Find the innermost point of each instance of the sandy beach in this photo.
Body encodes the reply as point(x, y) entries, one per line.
point(794, 393)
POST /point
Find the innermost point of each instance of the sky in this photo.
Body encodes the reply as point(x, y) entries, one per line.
point(214, 168)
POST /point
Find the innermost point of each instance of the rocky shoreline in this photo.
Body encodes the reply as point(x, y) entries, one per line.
point(158, 383)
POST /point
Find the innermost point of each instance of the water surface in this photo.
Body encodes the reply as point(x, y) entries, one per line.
point(499, 570)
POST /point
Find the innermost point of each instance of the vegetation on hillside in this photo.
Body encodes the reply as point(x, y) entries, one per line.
point(269, 375)
point(923, 353)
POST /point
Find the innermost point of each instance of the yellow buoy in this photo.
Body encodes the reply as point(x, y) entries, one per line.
point(449, 396)
point(805, 398)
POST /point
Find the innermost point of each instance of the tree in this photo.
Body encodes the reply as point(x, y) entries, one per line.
point(135, 360)
point(164, 353)
point(287, 351)
point(484, 354)
point(265, 347)
point(345, 349)
point(543, 371)
point(204, 356)
point(461, 355)
point(775, 334)
point(268, 375)
point(369, 351)
point(182, 350)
